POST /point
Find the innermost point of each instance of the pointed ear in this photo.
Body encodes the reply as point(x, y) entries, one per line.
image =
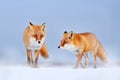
point(30, 25)
point(43, 26)
point(71, 34)
point(65, 32)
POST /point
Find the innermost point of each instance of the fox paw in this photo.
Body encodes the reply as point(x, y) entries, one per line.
point(94, 67)
point(35, 65)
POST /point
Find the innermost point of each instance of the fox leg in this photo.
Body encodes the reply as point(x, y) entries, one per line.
point(36, 55)
point(94, 57)
point(94, 61)
point(79, 57)
point(86, 59)
point(29, 57)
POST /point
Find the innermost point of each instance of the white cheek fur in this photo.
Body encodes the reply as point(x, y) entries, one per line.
point(34, 45)
point(71, 48)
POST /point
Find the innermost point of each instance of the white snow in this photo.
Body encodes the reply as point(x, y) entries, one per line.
point(58, 72)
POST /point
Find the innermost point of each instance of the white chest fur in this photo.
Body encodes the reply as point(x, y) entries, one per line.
point(72, 48)
point(34, 45)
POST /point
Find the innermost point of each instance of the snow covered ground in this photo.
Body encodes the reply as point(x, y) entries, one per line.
point(59, 72)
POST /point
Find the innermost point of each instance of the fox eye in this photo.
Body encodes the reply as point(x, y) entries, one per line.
point(34, 35)
point(69, 37)
point(41, 36)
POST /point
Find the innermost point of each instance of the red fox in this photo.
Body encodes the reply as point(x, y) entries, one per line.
point(82, 43)
point(34, 37)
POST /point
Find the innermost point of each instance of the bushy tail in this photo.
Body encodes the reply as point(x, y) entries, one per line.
point(101, 53)
point(45, 55)
point(44, 51)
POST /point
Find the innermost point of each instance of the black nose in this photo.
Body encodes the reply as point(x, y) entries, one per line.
point(39, 42)
point(58, 46)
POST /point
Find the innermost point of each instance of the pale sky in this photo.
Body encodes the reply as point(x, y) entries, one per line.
point(101, 17)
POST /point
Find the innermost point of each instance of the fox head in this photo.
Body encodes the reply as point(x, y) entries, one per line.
point(67, 40)
point(37, 33)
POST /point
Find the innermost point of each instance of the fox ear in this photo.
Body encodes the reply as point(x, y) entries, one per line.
point(30, 25)
point(65, 32)
point(43, 26)
point(71, 34)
